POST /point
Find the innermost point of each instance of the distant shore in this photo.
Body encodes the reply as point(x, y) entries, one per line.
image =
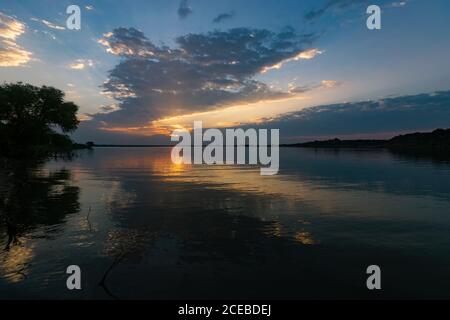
point(132, 145)
point(437, 140)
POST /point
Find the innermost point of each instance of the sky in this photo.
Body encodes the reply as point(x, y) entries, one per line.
point(140, 69)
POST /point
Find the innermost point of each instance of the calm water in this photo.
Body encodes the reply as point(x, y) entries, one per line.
point(142, 227)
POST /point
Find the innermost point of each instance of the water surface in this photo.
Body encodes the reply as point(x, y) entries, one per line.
point(140, 226)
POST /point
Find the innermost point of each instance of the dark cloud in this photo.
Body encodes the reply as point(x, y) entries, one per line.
point(340, 5)
point(184, 9)
point(400, 114)
point(224, 16)
point(128, 42)
point(378, 118)
point(332, 5)
point(109, 108)
point(203, 72)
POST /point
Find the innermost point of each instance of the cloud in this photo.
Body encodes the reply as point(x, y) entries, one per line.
point(397, 4)
point(89, 8)
point(304, 55)
point(127, 42)
point(224, 16)
point(382, 118)
point(51, 35)
point(109, 108)
point(11, 54)
point(80, 64)
point(49, 24)
point(331, 5)
point(324, 84)
point(184, 9)
point(399, 114)
point(331, 83)
point(204, 72)
point(336, 5)
point(10, 28)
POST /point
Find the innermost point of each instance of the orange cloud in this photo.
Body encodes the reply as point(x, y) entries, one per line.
point(80, 64)
point(304, 55)
point(241, 114)
point(11, 54)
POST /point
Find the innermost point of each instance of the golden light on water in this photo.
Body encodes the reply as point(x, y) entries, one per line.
point(14, 263)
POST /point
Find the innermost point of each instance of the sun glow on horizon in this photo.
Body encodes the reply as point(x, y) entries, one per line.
point(242, 114)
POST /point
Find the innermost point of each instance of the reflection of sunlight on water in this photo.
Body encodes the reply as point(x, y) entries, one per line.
point(149, 212)
point(14, 263)
point(154, 163)
point(319, 196)
point(277, 229)
point(304, 238)
point(155, 166)
point(322, 197)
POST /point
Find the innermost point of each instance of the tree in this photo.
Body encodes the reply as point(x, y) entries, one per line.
point(33, 116)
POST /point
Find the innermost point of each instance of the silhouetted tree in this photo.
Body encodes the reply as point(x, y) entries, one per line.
point(31, 116)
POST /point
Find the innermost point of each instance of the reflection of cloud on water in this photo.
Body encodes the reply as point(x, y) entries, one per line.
point(97, 197)
point(117, 197)
point(323, 198)
point(283, 200)
point(128, 243)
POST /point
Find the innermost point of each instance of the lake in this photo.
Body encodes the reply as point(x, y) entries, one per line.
point(142, 227)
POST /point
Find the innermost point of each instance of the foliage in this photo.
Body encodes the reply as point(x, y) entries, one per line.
point(35, 118)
